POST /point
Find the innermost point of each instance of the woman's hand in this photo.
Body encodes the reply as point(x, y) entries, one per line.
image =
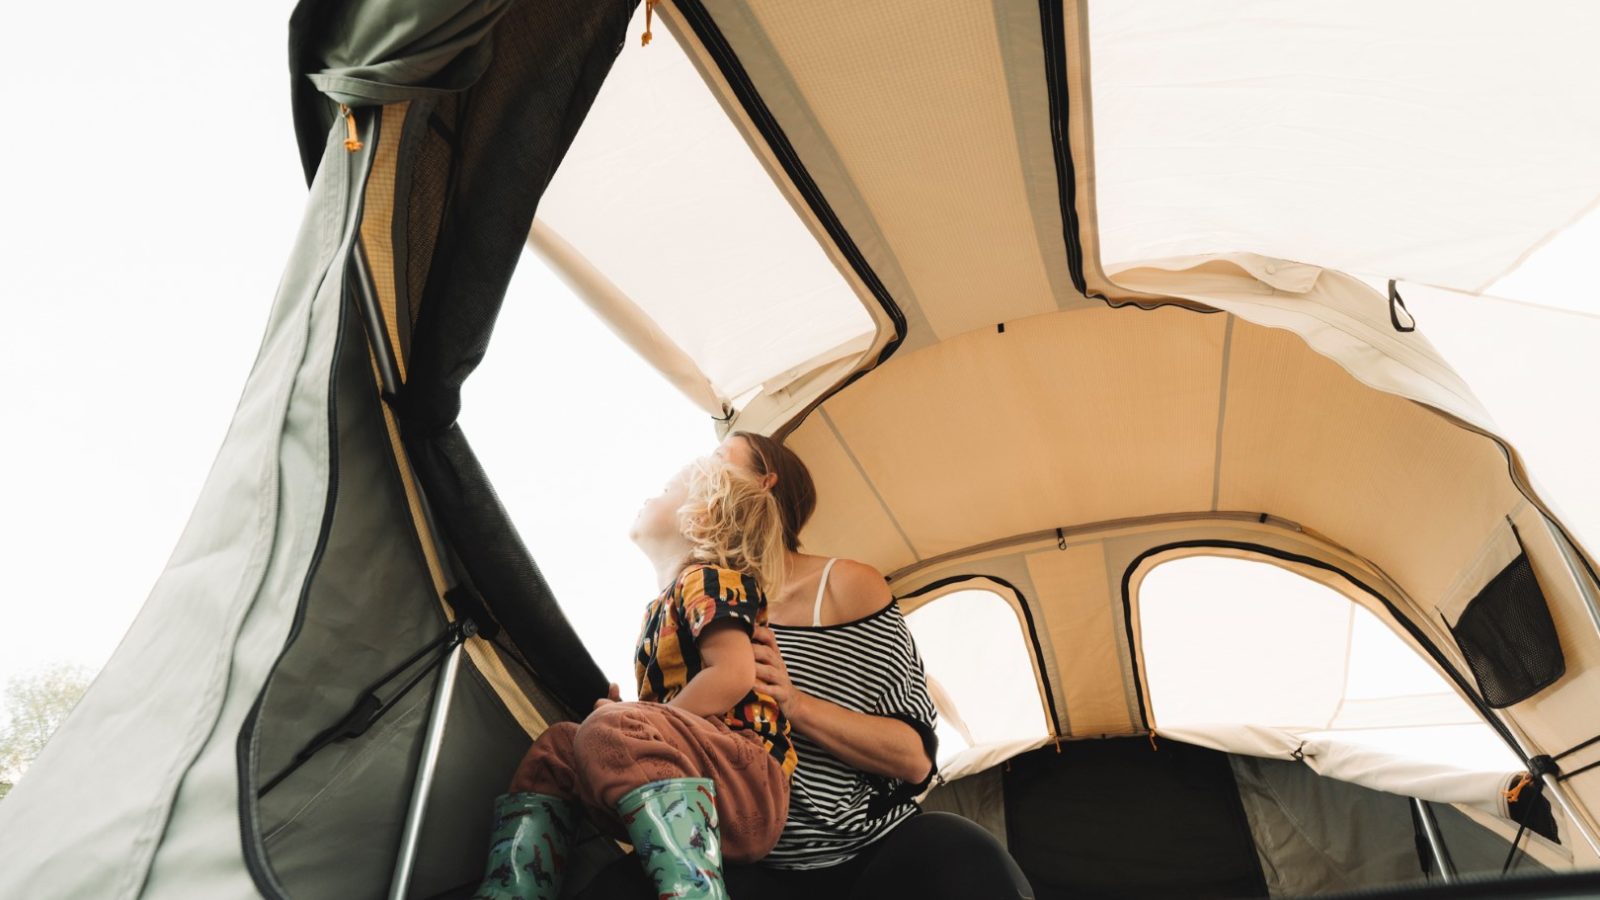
point(772, 676)
point(613, 695)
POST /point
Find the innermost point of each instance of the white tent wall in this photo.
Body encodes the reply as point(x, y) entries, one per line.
point(1436, 141)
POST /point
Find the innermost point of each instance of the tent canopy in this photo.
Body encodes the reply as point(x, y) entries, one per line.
point(1046, 296)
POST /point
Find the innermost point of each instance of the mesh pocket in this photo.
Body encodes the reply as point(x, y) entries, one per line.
point(1508, 638)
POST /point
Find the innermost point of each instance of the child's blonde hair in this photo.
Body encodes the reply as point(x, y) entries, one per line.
point(732, 520)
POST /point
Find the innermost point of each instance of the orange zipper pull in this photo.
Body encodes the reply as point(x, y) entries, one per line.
point(352, 141)
point(1515, 791)
point(649, 12)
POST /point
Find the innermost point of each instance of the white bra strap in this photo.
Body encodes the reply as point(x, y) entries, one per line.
point(822, 588)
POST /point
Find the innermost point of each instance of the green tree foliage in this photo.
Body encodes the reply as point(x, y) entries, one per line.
point(35, 706)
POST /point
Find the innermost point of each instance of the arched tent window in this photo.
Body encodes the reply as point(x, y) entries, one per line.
point(980, 671)
point(1230, 641)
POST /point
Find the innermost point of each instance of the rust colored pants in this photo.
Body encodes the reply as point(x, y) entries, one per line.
point(621, 746)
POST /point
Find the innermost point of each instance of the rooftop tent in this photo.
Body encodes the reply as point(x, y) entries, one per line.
point(1075, 382)
point(922, 243)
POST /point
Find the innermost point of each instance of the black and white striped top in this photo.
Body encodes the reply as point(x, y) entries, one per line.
point(870, 665)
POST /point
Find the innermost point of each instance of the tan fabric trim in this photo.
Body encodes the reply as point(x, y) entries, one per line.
point(767, 418)
point(376, 236)
point(1080, 622)
point(377, 221)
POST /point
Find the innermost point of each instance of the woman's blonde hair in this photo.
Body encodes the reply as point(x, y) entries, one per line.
point(733, 520)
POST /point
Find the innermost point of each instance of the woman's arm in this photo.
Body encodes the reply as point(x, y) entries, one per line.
point(876, 744)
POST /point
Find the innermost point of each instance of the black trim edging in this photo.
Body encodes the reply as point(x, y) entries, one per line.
point(711, 37)
point(1027, 618)
point(1055, 71)
point(1409, 626)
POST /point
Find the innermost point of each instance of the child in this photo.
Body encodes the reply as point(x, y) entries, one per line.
point(701, 745)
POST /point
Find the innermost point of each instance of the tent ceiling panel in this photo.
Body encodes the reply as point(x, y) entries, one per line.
point(1080, 416)
point(916, 102)
point(1435, 141)
point(927, 127)
point(661, 194)
point(1374, 472)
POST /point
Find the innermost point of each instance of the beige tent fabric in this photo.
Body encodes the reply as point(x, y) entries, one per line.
point(1120, 416)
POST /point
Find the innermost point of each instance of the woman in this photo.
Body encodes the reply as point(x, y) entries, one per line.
point(841, 663)
point(842, 666)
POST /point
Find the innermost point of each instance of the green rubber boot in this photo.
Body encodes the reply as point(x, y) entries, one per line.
point(673, 825)
point(528, 848)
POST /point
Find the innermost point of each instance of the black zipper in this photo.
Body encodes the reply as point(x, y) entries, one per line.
point(1394, 612)
point(1027, 618)
point(1055, 71)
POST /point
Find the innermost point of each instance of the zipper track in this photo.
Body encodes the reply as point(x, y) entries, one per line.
point(254, 850)
point(1055, 68)
point(705, 29)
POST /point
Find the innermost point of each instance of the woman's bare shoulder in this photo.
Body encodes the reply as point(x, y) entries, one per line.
point(858, 589)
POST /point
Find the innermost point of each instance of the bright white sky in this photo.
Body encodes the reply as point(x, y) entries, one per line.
point(152, 192)
point(143, 236)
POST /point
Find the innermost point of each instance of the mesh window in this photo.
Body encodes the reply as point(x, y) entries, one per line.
point(1508, 638)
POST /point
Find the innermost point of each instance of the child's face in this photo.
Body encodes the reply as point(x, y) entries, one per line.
point(658, 517)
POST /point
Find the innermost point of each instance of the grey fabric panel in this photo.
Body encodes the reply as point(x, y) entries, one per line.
point(482, 747)
point(979, 797)
point(1318, 835)
point(342, 842)
point(89, 816)
point(392, 50)
point(371, 605)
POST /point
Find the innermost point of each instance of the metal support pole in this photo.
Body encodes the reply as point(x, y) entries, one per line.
point(1430, 829)
point(400, 883)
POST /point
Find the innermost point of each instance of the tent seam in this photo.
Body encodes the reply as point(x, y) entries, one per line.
point(861, 470)
point(1222, 412)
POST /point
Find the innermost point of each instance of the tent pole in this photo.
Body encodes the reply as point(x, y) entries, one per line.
point(400, 883)
point(1430, 828)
